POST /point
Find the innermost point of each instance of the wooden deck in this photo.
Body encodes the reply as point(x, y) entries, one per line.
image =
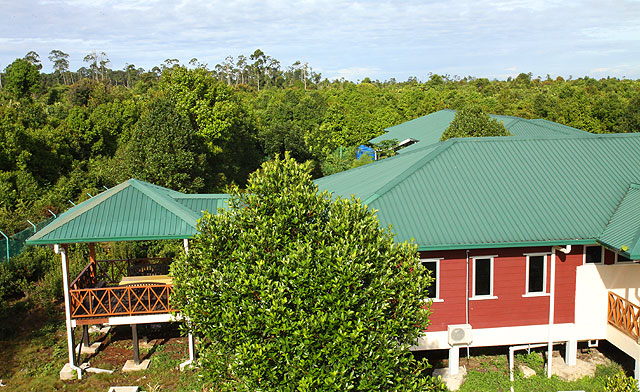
point(97, 292)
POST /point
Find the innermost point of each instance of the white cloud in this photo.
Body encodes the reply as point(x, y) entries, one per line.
point(351, 39)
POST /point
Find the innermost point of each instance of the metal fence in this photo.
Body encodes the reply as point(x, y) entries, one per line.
point(16, 242)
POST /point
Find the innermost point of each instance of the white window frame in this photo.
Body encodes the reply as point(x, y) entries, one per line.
point(622, 262)
point(584, 254)
point(438, 277)
point(544, 292)
point(473, 278)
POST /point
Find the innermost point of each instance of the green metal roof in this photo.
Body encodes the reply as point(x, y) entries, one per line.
point(498, 191)
point(623, 231)
point(133, 210)
point(428, 129)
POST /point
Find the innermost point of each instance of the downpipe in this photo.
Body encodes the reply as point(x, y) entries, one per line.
point(552, 301)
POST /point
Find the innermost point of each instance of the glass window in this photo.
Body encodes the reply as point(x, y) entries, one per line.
point(536, 273)
point(593, 254)
point(432, 266)
point(482, 284)
point(622, 259)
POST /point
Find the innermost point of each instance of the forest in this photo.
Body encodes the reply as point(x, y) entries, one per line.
point(66, 135)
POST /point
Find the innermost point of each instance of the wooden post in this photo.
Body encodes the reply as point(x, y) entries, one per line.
point(92, 260)
point(136, 350)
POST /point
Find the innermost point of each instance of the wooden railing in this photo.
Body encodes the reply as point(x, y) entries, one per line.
point(120, 301)
point(85, 279)
point(91, 299)
point(112, 271)
point(624, 315)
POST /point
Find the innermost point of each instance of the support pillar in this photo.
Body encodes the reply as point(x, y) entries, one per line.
point(636, 369)
point(192, 347)
point(454, 360)
point(571, 352)
point(67, 310)
point(136, 349)
point(85, 336)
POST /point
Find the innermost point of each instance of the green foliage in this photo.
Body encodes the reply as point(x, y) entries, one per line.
point(343, 159)
point(293, 291)
point(22, 78)
point(164, 149)
point(621, 383)
point(472, 121)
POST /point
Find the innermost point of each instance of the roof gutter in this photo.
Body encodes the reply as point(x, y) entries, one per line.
point(507, 244)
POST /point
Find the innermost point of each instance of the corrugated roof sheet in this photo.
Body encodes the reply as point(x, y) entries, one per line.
point(428, 129)
point(133, 210)
point(506, 191)
point(623, 231)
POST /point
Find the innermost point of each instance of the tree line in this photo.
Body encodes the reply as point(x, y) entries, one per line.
point(195, 128)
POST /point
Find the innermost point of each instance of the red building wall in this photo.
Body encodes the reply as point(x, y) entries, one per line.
point(509, 285)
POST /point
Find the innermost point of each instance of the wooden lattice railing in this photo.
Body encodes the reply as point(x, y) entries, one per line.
point(91, 299)
point(111, 271)
point(120, 301)
point(624, 315)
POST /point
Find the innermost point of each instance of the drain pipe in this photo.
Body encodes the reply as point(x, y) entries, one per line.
point(466, 299)
point(552, 301)
point(513, 349)
point(62, 249)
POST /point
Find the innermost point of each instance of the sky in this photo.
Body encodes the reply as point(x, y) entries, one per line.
point(339, 38)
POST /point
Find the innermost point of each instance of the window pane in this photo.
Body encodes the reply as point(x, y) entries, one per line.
point(593, 254)
point(483, 277)
point(623, 259)
point(536, 274)
point(431, 266)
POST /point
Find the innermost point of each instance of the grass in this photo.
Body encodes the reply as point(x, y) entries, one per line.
point(33, 349)
point(491, 373)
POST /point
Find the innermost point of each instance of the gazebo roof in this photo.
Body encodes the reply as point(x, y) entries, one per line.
point(131, 211)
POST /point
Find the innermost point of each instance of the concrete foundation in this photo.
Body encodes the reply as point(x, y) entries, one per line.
point(98, 329)
point(67, 373)
point(124, 389)
point(130, 366)
point(89, 350)
point(452, 381)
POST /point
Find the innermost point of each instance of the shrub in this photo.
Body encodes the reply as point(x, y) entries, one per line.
point(619, 382)
point(292, 290)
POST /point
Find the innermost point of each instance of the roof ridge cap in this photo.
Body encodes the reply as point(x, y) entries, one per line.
point(90, 203)
point(410, 170)
point(168, 202)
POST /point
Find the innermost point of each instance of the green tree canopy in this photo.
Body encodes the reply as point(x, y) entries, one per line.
point(165, 150)
point(472, 121)
point(292, 290)
point(22, 78)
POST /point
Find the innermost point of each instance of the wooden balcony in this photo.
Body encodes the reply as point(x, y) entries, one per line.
point(101, 289)
point(624, 315)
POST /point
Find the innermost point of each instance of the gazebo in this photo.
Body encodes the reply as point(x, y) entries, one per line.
point(123, 291)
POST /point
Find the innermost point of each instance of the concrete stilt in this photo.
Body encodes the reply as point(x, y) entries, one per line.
point(454, 360)
point(636, 369)
point(571, 352)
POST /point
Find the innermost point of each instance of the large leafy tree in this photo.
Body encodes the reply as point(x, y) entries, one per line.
point(293, 290)
point(22, 78)
point(164, 149)
point(472, 121)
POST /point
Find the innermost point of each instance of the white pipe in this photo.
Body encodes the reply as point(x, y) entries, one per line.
point(466, 299)
point(552, 303)
point(192, 349)
point(67, 308)
point(513, 349)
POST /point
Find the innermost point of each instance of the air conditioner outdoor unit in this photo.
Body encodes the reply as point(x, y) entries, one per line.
point(460, 334)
